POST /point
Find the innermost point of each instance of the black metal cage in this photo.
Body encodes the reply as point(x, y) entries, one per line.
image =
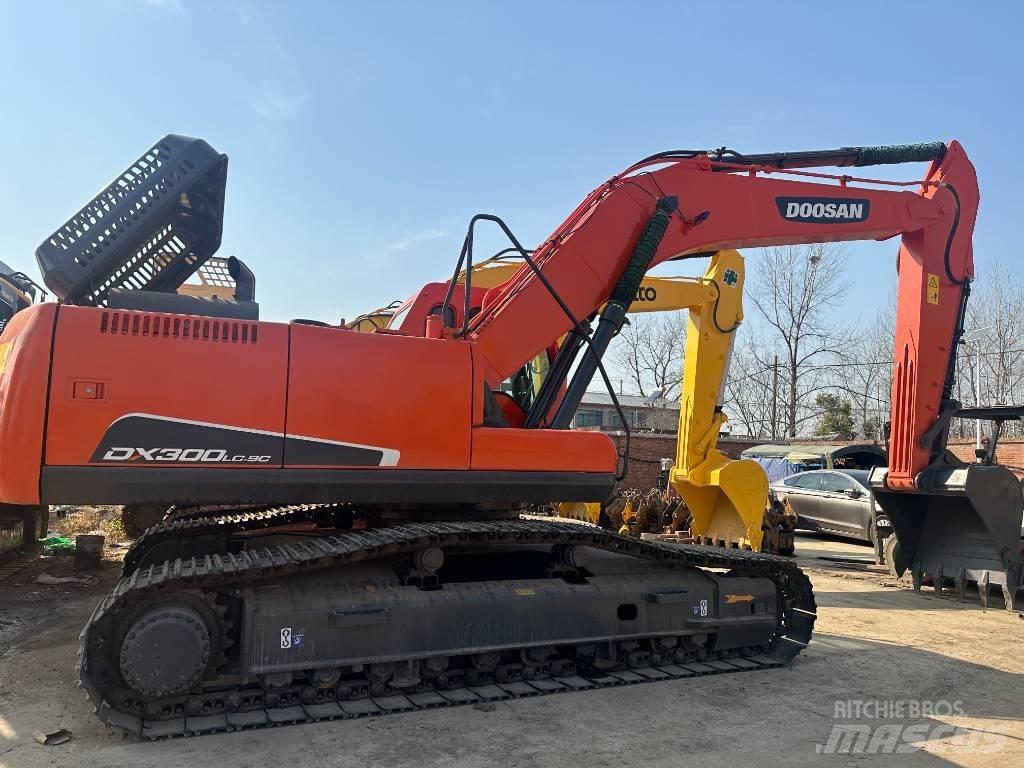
point(149, 229)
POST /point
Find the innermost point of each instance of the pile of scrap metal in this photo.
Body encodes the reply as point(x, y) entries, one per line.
point(663, 515)
point(633, 513)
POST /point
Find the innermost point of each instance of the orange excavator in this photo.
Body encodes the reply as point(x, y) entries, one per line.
point(367, 553)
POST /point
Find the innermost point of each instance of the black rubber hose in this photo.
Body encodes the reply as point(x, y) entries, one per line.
point(899, 153)
point(614, 313)
point(643, 253)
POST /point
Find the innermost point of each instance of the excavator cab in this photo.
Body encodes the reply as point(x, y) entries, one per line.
point(965, 524)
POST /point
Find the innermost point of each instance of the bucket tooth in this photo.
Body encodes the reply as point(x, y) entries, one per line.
point(915, 576)
point(1009, 597)
point(960, 583)
point(961, 524)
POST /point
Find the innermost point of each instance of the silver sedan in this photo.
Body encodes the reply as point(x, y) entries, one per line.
point(833, 501)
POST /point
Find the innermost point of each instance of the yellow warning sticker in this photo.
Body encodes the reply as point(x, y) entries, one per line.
point(5, 352)
point(525, 592)
point(933, 288)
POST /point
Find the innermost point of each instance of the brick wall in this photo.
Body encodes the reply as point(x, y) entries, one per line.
point(645, 455)
point(647, 451)
point(1008, 452)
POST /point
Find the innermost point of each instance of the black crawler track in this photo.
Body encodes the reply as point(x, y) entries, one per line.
point(189, 525)
point(223, 707)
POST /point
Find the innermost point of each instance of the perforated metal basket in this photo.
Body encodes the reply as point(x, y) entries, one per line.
point(149, 229)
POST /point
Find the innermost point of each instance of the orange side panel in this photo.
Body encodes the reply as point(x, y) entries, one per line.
point(212, 370)
point(406, 394)
point(543, 449)
point(25, 352)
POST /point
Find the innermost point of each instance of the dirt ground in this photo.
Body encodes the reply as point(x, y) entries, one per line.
point(877, 647)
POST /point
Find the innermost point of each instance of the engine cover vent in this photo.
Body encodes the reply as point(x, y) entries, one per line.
point(178, 327)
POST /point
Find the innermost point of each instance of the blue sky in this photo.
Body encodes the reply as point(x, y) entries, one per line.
point(362, 136)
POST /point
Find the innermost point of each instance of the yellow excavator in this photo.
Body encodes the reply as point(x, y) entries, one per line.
point(726, 498)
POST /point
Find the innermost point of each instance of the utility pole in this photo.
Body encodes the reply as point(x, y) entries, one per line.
point(775, 396)
point(977, 396)
point(880, 419)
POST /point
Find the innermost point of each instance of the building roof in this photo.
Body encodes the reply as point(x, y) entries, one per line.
point(627, 401)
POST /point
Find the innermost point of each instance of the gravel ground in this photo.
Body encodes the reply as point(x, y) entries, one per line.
point(875, 642)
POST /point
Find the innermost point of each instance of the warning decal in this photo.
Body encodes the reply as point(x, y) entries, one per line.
point(933, 288)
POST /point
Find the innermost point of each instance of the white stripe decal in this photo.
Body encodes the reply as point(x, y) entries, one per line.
point(389, 456)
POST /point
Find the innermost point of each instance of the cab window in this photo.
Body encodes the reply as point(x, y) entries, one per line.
point(524, 384)
point(519, 386)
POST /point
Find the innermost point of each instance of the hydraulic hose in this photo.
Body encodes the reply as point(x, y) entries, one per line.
point(614, 313)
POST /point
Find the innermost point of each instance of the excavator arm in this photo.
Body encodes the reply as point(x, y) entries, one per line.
point(677, 204)
point(726, 497)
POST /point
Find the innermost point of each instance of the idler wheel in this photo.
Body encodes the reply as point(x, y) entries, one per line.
point(166, 651)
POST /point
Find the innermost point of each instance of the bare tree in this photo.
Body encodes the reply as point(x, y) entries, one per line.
point(793, 289)
point(865, 370)
point(754, 398)
point(992, 354)
point(649, 351)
